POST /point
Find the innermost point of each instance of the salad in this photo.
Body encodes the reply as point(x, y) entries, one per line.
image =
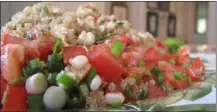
point(54, 59)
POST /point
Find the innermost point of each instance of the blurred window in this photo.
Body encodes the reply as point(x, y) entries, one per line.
point(201, 17)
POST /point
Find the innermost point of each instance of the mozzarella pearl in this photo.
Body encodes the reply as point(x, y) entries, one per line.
point(95, 83)
point(36, 84)
point(54, 98)
point(114, 98)
point(79, 62)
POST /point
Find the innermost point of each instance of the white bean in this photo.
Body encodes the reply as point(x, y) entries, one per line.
point(79, 62)
point(54, 98)
point(95, 83)
point(36, 84)
point(114, 98)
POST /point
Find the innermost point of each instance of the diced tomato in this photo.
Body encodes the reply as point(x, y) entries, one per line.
point(168, 56)
point(134, 71)
point(192, 75)
point(183, 56)
point(16, 99)
point(161, 45)
point(73, 51)
point(45, 49)
point(31, 47)
point(152, 54)
point(177, 84)
point(124, 39)
point(166, 67)
point(3, 85)
point(131, 58)
point(106, 65)
point(198, 67)
point(154, 91)
point(150, 64)
point(11, 62)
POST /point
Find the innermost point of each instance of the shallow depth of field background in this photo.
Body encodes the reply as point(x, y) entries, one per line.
point(195, 21)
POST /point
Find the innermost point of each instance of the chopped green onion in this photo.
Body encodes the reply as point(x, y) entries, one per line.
point(18, 80)
point(34, 66)
point(184, 76)
point(160, 78)
point(116, 105)
point(185, 66)
point(26, 71)
point(84, 90)
point(148, 72)
point(5, 95)
point(141, 63)
point(173, 48)
point(120, 24)
point(52, 78)
point(57, 56)
point(55, 66)
point(117, 48)
point(172, 61)
point(129, 93)
point(35, 103)
point(91, 75)
point(143, 93)
point(177, 75)
point(46, 11)
point(138, 77)
point(75, 98)
point(155, 70)
point(58, 43)
point(65, 80)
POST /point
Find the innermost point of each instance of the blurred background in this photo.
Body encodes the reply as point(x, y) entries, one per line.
point(192, 22)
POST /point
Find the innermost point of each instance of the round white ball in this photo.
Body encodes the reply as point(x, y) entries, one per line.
point(36, 84)
point(79, 62)
point(55, 98)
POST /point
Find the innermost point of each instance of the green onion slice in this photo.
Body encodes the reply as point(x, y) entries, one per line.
point(66, 80)
point(117, 48)
point(91, 75)
point(129, 93)
point(160, 78)
point(144, 93)
point(177, 75)
point(172, 61)
point(155, 70)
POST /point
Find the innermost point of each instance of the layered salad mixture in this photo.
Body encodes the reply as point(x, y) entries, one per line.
point(56, 59)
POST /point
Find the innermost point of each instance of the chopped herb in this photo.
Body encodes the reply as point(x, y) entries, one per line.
point(177, 75)
point(172, 61)
point(160, 78)
point(42, 32)
point(116, 105)
point(129, 92)
point(185, 66)
point(120, 24)
point(138, 77)
point(155, 70)
point(148, 72)
point(141, 63)
point(46, 11)
point(117, 48)
point(143, 93)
